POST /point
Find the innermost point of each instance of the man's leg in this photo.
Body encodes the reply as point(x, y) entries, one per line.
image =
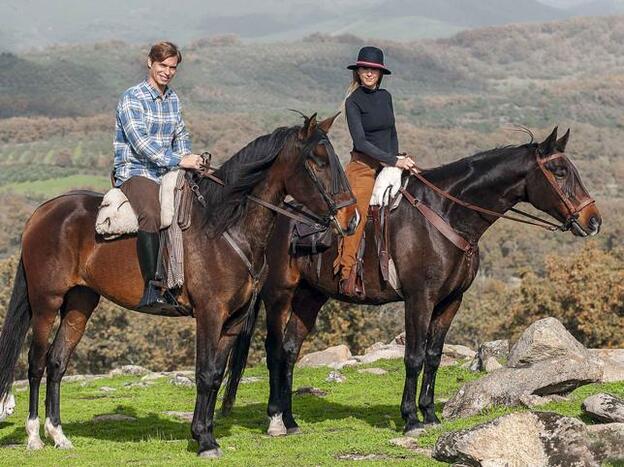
point(143, 195)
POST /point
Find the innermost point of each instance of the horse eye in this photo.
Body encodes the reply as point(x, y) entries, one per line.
point(560, 172)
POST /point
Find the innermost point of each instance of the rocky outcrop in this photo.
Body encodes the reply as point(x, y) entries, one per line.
point(542, 340)
point(612, 363)
point(497, 350)
point(519, 439)
point(604, 408)
point(507, 386)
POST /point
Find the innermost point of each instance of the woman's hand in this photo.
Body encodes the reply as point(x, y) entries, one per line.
point(191, 161)
point(406, 163)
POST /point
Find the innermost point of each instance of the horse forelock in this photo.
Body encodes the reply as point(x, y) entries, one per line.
point(241, 173)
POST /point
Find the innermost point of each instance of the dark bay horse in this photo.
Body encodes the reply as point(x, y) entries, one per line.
point(65, 267)
point(433, 272)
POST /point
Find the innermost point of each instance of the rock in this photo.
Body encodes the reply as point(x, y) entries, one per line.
point(531, 400)
point(519, 439)
point(250, 379)
point(182, 381)
point(376, 346)
point(335, 377)
point(310, 391)
point(388, 352)
point(331, 357)
point(399, 340)
point(113, 417)
point(411, 444)
point(612, 363)
point(350, 362)
point(107, 389)
point(458, 351)
point(491, 364)
point(186, 416)
point(129, 370)
point(498, 350)
point(506, 386)
point(607, 441)
point(373, 371)
point(542, 340)
point(604, 408)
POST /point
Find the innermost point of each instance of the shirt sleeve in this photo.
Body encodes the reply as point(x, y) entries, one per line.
point(394, 137)
point(131, 118)
point(354, 120)
point(181, 138)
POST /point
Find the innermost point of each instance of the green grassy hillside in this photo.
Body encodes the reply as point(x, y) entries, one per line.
point(357, 418)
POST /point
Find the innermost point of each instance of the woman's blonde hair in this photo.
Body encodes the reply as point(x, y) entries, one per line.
point(355, 83)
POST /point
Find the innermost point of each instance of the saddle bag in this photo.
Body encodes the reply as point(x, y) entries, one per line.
point(309, 240)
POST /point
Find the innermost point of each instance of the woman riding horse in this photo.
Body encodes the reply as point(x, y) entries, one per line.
point(65, 267)
point(436, 256)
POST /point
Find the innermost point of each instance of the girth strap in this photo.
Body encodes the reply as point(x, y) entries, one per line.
point(439, 223)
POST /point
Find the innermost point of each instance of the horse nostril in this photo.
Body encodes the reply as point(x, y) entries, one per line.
point(594, 223)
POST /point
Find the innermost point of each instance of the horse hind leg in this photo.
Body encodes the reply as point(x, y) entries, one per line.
point(44, 313)
point(439, 326)
point(79, 304)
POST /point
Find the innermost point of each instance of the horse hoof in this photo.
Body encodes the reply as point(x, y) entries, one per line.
point(64, 444)
point(276, 426)
point(211, 454)
point(34, 444)
point(295, 430)
point(7, 406)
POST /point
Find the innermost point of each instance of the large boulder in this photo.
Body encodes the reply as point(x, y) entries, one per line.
point(508, 386)
point(458, 352)
point(519, 439)
point(612, 363)
point(333, 357)
point(607, 442)
point(385, 352)
point(604, 408)
point(542, 340)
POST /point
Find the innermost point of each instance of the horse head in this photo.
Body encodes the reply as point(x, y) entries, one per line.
point(554, 186)
point(325, 188)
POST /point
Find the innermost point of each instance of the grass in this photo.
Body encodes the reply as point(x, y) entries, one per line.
point(359, 417)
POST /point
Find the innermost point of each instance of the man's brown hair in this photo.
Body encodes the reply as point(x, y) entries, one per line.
point(161, 51)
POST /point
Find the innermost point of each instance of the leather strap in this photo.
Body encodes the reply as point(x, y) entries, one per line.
point(439, 223)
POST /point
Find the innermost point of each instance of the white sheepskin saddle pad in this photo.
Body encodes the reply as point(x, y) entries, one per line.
point(116, 217)
point(387, 186)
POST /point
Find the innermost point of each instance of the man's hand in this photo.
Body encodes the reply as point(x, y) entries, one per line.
point(191, 161)
point(406, 163)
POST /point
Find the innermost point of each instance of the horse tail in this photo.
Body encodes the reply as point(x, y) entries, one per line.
point(16, 324)
point(238, 359)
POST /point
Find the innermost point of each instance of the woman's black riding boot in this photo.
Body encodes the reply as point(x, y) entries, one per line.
point(148, 244)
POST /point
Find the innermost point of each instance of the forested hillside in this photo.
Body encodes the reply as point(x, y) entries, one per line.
point(453, 97)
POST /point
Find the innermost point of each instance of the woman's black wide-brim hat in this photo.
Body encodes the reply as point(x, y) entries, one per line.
point(370, 57)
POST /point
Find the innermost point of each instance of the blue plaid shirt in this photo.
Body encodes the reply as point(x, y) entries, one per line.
point(150, 135)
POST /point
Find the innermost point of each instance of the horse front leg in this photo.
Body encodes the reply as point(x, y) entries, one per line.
point(306, 305)
point(213, 348)
point(440, 323)
point(417, 317)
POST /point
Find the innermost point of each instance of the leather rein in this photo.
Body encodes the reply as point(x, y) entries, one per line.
point(573, 211)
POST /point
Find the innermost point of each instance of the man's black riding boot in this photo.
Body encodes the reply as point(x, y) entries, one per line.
point(148, 244)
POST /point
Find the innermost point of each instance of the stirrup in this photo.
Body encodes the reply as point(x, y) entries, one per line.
point(160, 301)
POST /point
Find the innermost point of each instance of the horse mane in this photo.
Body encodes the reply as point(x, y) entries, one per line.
point(241, 173)
point(466, 164)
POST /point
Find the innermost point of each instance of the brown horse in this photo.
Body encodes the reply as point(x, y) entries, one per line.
point(65, 267)
point(433, 272)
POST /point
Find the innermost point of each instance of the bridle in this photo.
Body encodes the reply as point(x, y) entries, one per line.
point(300, 215)
point(573, 211)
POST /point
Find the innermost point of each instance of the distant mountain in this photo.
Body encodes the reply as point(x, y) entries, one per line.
point(40, 23)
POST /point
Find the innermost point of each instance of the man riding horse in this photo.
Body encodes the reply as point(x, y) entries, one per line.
point(150, 140)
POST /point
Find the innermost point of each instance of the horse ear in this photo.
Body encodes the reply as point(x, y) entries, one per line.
point(561, 143)
point(547, 147)
point(326, 124)
point(308, 127)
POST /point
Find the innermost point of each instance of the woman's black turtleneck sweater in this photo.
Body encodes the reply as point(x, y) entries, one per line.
point(370, 117)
